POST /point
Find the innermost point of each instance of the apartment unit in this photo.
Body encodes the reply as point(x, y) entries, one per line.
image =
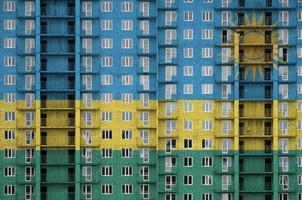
point(151, 99)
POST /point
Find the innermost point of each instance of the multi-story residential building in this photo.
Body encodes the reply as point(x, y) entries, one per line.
point(151, 99)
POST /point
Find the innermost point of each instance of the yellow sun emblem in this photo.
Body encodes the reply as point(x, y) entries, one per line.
point(255, 45)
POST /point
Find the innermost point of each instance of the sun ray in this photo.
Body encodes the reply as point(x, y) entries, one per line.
point(260, 70)
point(254, 72)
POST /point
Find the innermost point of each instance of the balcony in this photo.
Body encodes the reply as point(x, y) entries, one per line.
point(57, 123)
point(268, 57)
point(268, 149)
point(268, 112)
point(57, 105)
point(268, 131)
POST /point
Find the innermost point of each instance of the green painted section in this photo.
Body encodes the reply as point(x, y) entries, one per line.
point(260, 178)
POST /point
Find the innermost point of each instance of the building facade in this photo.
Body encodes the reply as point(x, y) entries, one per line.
point(151, 99)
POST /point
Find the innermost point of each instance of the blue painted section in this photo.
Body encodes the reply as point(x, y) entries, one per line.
point(57, 51)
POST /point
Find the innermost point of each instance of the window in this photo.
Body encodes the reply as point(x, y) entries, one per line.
point(106, 6)
point(207, 16)
point(107, 43)
point(226, 54)
point(29, 27)
point(9, 190)
point(127, 25)
point(188, 180)
point(170, 35)
point(188, 143)
point(29, 45)
point(9, 134)
point(106, 116)
point(9, 24)
point(9, 116)
point(206, 144)
point(188, 161)
point(9, 43)
point(283, 163)
point(207, 196)
point(226, 182)
point(106, 189)
point(207, 34)
point(87, 82)
point(9, 171)
point(127, 43)
point(9, 153)
point(127, 80)
point(188, 107)
point(144, 8)
point(87, 191)
point(9, 80)
point(106, 171)
point(29, 8)
point(126, 171)
point(207, 107)
point(106, 97)
point(206, 161)
point(87, 45)
point(144, 27)
point(188, 71)
point(126, 116)
point(207, 71)
point(188, 125)
point(225, 4)
point(9, 6)
point(299, 161)
point(87, 173)
point(126, 153)
point(87, 26)
point(299, 52)
point(127, 97)
point(107, 79)
point(87, 63)
point(283, 36)
point(207, 52)
point(106, 153)
point(126, 7)
point(127, 189)
point(188, 15)
point(206, 125)
point(284, 181)
point(283, 17)
point(9, 61)
point(126, 134)
point(29, 173)
point(9, 97)
point(188, 34)
point(225, 18)
point(29, 118)
point(226, 108)
point(206, 89)
point(107, 134)
point(127, 61)
point(188, 88)
point(29, 63)
point(299, 34)
point(106, 61)
point(188, 52)
point(206, 180)
point(87, 8)
point(283, 72)
point(86, 134)
point(106, 25)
